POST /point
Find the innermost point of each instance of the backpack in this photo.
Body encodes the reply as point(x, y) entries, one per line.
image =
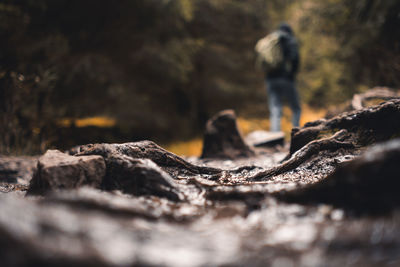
point(270, 53)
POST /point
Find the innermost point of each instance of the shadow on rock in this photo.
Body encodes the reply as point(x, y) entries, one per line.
point(369, 183)
point(57, 170)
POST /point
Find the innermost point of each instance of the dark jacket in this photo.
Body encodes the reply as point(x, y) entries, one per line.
point(290, 53)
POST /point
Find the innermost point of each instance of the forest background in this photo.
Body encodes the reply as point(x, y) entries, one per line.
point(75, 72)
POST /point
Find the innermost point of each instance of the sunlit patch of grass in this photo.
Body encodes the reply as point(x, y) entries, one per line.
point(102, 122)
point(246, 125)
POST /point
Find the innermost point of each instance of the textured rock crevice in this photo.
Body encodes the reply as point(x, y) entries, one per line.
point(370, 125)
point(367, 183)
point(306, 153)
point(169, 162)
point(57, 170)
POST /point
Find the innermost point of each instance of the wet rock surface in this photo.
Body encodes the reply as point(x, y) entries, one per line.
point(363, 127)
point(369, 182)
point(315, 205)
point(17, 169)
point(57, 170)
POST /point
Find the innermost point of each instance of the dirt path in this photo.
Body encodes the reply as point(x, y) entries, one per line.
point(332, 202)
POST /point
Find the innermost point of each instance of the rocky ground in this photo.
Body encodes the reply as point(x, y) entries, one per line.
point(330, 199)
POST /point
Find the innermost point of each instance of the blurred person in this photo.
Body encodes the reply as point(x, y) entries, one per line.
point(278, 55)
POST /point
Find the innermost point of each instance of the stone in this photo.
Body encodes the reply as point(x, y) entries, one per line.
point(222, 138)
point(167, 161)
point(140, 177)
point(262, 138)
point(57, 170)
point(155, 208)
point(367, 183)
point(370, 97)
point(17, 169)
point(365, 127)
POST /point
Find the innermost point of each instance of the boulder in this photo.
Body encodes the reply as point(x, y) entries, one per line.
point(222, 138)
point(57, 170)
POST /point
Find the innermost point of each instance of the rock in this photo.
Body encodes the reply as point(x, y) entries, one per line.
point(17, 169)
point(56, 170)
point(139, 177)
point(370, 97)
point(368, 183)
point(365, 127)
point(222, 138)
point(116, 203)
point(56, 232)
point(162, 210)
point(48, 235)
point(169, 162)
point(377, 93)
point(265, 139)
point(96, 228)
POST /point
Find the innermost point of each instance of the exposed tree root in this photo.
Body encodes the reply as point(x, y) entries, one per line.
point(305, 153)
point(382, 93)
point(364, 100)
point(369, 125)
point(169, 162)
point(368, 183)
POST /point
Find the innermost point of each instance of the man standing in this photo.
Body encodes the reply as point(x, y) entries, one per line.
point(279, 56)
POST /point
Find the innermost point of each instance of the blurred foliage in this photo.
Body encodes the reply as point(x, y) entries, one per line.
point(193, 146)
point(347, 46)
point(161, 68)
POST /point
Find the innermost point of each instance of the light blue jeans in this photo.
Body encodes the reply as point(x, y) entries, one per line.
point(280, 89)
